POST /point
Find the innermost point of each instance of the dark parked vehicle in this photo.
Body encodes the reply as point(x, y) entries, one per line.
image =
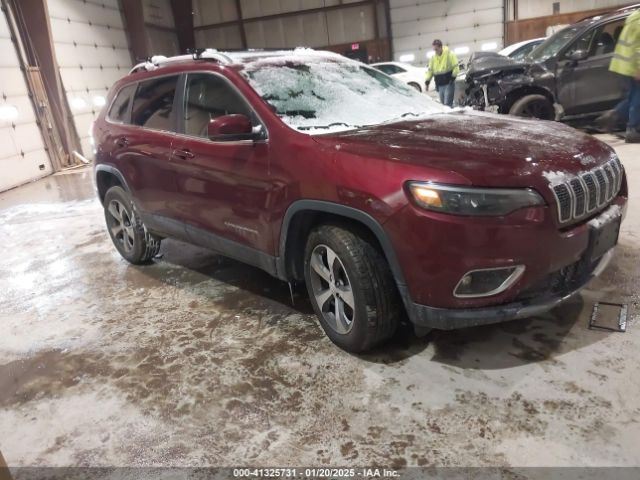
point(319, 169)
point(565, 78)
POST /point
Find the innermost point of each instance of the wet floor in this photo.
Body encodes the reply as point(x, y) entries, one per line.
point(199, 360)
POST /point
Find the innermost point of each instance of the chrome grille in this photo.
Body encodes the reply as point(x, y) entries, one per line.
point(578, 196)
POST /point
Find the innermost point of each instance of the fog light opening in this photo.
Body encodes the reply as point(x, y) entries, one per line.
point(487, 281)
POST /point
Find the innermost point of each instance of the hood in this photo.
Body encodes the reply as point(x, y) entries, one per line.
point(486, 149)
point(480, 64)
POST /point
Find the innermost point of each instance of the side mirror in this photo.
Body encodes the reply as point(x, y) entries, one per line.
point(232, 127)
point(578, 55)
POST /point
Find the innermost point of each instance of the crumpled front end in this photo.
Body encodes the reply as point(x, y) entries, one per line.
point(493, 84)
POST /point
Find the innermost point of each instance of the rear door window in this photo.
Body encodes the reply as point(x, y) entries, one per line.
point(153, 103)
point(119, 111)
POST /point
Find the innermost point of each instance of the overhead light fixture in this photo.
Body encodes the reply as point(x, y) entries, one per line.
point(99, 101)
point(487, 47)
point(461, 50)
point(8, 113)
point(78, 103)
point(408, 57)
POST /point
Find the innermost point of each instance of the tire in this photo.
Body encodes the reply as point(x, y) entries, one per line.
point(360, 286)
point(126, 230)
point(533, 106)
point(416, 86)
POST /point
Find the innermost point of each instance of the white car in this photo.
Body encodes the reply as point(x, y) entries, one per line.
point(414, 76)
point(519, 50)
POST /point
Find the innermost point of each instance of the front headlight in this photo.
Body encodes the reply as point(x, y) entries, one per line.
point(472, 201)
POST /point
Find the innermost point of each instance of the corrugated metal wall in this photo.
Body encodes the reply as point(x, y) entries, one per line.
point(465, 26)
point(160, 27)
point(22, 154)
point(92, 51)
point(312, 29)
point(541, 8)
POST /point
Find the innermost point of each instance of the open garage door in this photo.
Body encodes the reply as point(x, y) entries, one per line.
point(92, 52)
point(464, 26)
point(22, 153)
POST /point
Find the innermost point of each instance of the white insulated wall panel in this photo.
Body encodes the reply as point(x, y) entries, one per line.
point(458, 23)
point(22, 154)
point(92, 51)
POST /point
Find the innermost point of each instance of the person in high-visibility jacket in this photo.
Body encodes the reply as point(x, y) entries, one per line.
point(443, 67)
point(626, 62)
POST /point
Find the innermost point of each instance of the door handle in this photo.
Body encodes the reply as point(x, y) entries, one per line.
point(122, 142)
point(183, 153)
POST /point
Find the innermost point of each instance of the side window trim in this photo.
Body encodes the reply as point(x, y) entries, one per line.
point(182, 106)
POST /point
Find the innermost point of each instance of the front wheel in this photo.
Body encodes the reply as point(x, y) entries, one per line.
point(126, 230)
point(533, 106)
point(351, 288)
point(415, 85)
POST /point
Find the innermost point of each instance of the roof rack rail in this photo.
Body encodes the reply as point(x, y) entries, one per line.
point(628, 7)
point(157, 61)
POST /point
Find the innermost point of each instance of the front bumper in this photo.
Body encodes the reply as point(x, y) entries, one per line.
point(450, 319)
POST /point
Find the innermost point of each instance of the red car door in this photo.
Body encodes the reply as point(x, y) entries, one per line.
point(223, 186)
point(143, 148)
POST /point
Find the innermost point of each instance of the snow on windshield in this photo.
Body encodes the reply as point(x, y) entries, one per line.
point(318, 94)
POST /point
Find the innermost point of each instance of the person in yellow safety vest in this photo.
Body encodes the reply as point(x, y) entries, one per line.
point(626, 61)
point(443, 67)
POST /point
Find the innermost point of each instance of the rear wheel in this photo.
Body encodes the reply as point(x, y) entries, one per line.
point(126, 230)
point(351, 288)
point(533, 106)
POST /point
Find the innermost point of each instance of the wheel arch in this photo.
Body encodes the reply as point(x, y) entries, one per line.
point(107, 176)
point(521, 92)
point(304, 215)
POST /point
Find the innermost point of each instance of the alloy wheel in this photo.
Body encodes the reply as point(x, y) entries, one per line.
point(121, 226)
point(332, 289)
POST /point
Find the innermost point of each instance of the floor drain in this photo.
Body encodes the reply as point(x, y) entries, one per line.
point(611, 317)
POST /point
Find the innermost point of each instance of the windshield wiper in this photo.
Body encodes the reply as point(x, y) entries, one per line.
point(334, 124)
point(394, 119)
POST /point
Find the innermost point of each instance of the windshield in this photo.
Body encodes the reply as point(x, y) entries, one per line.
point(552, 45)
point(316, 94)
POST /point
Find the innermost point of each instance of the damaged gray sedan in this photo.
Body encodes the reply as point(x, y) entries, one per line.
point(565, 78)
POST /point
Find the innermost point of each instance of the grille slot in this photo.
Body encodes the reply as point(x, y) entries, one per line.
point(602, 183)
point(563, 195)
point(592, 190)
point(579, 195)
point(611, 181)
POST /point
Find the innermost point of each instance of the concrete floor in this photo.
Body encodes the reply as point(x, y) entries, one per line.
point(197, 360)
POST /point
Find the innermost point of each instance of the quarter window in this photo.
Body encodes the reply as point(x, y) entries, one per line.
point(209, 96)
point(119, 111)
point(153, 103)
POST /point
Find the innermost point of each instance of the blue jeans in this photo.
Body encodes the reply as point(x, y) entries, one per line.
point(446, 93)
point(629, 108)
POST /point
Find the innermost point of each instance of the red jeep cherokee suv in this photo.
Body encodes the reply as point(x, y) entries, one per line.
point(320, 169)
